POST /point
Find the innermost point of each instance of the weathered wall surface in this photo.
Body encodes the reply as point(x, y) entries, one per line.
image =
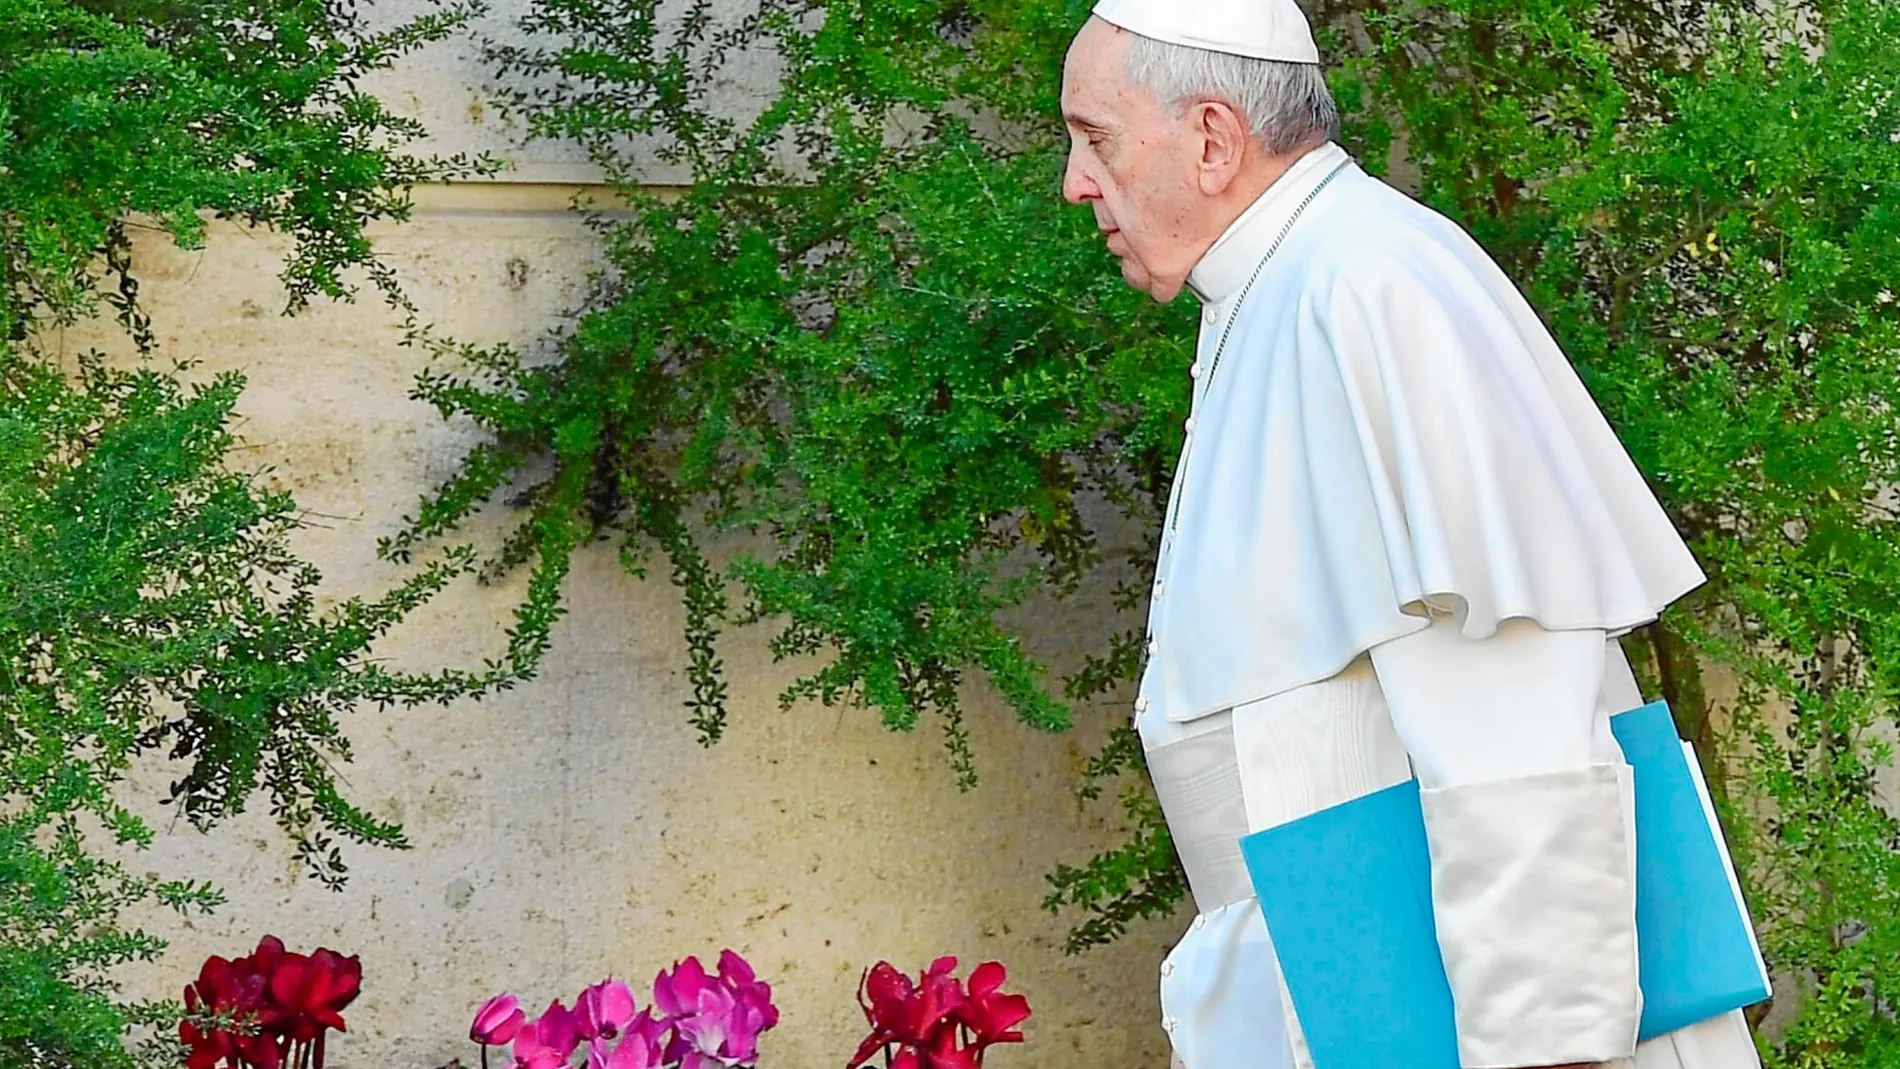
point(574, 828)
point(451, 88)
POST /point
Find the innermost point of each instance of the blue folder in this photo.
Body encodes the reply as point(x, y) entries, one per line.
point(1346, 893)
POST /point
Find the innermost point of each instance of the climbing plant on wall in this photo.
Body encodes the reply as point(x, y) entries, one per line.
point(149, 604)
point(869, 331)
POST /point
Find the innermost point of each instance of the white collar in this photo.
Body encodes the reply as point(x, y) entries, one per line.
point(1224, 268)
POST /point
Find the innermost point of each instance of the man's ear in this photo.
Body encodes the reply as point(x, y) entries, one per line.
point(1224, 136)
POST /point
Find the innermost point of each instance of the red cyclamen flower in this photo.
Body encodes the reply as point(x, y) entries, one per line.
point(934, 1023)
point(989, 1014)
point(280, 1004)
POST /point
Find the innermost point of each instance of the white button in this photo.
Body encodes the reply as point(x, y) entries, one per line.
point(1141, 704)
point(1189, 425)
point(1194, 370)
point(1200, 921)
point(1168, 1025)
point(1167, 968)
point(1209, 314)
point(1158, 585)
point(1151, 647)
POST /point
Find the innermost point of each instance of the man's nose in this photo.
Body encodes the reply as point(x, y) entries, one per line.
point(1077, 187)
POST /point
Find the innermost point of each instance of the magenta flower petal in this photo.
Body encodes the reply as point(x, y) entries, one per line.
point(715, 1020)
point(677, 993)
point(632, 1056)
point(734, 970)
point(711, 1021)
point(559, 1029)
point(604, 1010)
point(639, 1046)
point(497, 1021)
point(545, 1042)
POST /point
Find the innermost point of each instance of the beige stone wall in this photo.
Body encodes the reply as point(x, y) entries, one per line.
point(574, 828)
point(450, 88)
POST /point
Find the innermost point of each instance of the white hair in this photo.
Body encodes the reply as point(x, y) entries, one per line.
point(1287, 105)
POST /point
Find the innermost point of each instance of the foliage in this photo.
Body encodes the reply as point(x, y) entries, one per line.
point(241, 109)
point(1701, 199)
point(151, 604)
point(817, 349)
point(1137, 880)
point(869, 332)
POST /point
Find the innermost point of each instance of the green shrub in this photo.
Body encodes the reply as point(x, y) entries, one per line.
point(148, 602)
point(870, 331)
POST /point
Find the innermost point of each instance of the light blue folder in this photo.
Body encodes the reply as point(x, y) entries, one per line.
point(1346, 893)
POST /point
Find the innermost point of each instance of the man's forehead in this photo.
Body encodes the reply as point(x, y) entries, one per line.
point(1081, 113)
point(1093, 75)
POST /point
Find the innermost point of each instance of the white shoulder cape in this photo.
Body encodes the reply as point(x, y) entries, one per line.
point(1390, 432)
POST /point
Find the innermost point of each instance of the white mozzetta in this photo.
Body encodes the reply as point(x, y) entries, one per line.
point(1388, 432)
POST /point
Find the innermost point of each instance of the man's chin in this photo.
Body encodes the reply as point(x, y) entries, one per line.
point(1138, 277)
point(1135, 276)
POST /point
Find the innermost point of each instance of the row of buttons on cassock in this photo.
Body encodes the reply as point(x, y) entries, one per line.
point(1194, 372)
point(1167, 969)
point(1141, 703)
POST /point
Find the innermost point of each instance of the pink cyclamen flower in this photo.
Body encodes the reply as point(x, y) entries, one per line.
point(561, 1028)
point(639, 1047)
point(547, 1041)
point(497, 1021)
point(753, 1010)
point(676, 993)
point(604, 1010)
point(738, 976)
point(717, 1020)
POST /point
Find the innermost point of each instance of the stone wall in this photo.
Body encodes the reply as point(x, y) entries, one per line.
point(574, 828)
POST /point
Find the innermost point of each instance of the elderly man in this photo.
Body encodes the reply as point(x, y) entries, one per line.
point(1402, 540)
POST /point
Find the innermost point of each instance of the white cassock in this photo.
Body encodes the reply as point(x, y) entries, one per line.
point(1402, 542)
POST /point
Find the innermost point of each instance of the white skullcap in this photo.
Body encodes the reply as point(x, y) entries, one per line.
point(1261, 29)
